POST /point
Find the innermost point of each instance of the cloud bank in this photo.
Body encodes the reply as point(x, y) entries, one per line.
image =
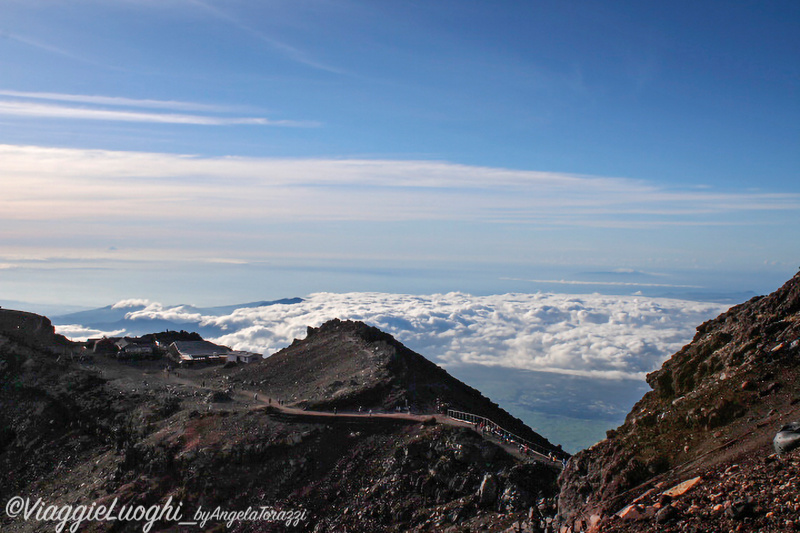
point(132, 302)
point(76, 331)
point(587, 335)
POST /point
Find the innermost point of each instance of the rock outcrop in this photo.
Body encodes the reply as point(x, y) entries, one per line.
point(714, 408)
point(31, 330)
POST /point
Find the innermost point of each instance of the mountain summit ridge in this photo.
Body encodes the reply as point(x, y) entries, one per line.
point(348, 365)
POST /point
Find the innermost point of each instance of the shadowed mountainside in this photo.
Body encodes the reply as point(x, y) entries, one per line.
point(713, 411)
point(348, 364)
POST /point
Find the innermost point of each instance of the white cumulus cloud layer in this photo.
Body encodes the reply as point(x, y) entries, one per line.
point(157, 311)
point(79, 332)
point(132, 302)
point(589, 335)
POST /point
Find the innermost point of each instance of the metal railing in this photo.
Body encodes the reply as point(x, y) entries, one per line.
point(491, 427)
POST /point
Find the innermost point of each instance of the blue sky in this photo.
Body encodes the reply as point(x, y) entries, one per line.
point(211, 152)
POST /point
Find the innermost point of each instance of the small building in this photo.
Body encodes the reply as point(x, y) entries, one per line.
point(134, 347)
point(193, 351)
point(239, 356)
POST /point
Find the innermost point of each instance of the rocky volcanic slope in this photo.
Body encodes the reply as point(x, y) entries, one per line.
point(85, 432)
point(708, 423)
point(348, 364)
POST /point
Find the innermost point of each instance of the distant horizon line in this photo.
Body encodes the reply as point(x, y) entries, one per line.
point(60, 309)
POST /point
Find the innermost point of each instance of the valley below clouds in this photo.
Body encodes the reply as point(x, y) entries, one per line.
point(570, 366)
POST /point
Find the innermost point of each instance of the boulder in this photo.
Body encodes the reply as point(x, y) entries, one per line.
point(631, 512)
point(787, 439)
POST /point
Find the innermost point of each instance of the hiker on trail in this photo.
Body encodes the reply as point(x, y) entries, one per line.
point(335, 410)
point(370, 412)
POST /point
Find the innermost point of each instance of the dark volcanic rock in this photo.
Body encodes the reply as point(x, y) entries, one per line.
point(100, 430)
point(787, 439)
point(715, 404)
point(31, 330)
point(349, 365)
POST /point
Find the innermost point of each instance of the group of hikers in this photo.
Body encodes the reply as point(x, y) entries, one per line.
point(553, 457)
point(503, 436)
point(511, 440)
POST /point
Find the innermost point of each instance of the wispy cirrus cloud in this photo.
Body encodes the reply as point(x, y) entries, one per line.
point(52, 183)
point(38, 110)
point(46, 47)
point(287, 50)
point(115, 101)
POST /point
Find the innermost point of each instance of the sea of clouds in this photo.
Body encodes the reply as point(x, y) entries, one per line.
point(585, 335)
